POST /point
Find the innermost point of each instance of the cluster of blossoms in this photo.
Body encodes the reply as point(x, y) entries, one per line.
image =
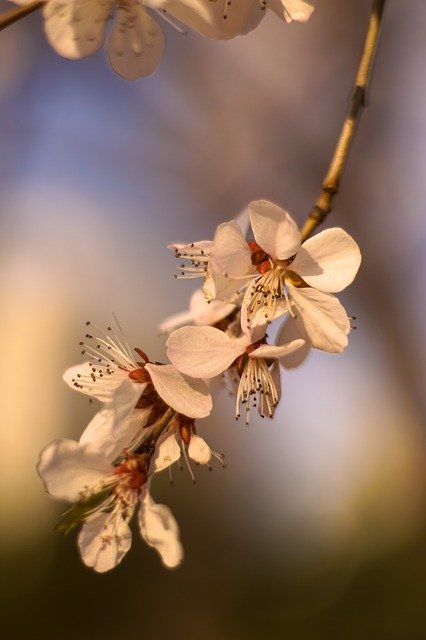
point(255, 271)
point(77, 28)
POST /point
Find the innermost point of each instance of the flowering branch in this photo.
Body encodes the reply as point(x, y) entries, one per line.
point(17, 14)
point(331, 183)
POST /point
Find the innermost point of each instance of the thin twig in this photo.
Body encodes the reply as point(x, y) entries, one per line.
point(17, 14)
point(330, 186)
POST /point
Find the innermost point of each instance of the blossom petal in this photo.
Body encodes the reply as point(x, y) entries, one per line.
point(277, 351)
point(291, 329)
point(76, 29)
point(104, 541)
point(329, 261)
point(290, 10)
point(274, 229)
point(110, 437)
point(79, 378)
point(166, 453)
point(324, 318)
point(68, 469)
point(208, 17)
point(202, 351)
point(208, 313)
point(160, 530)
point(232, 253)
point(199, 450)
point(184, 394)
point(220, 287)
point(136, 45)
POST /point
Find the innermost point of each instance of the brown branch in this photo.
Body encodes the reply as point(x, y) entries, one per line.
point(331, 183)
point(17, 14)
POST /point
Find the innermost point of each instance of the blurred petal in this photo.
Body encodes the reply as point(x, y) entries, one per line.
point(290, 10)
point(160, 530)
point(232, 253)
point(199, 450)
point(166, 453)
point(184, 394)
point(136, 45)
point(291, 329)
point(79, 378)
point(103, 542)
point(67, 469)
point(329, 261)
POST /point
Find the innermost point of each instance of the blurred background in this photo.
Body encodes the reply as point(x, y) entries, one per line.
point(315, 530)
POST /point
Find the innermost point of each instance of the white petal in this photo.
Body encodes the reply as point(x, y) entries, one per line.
point(202, 246)
point(208, 17)
point(79, 378)
point(136, 45)
point(232, 253)
point(104, 541)
point(76, 28)
point(186, 395)
point(290, 10)
point(166, 453)
point(273, 351)
point(176, 320)
point(329, 261)
point(291, 329)
point(68, 469)
point(160, 530)
point(243, 221)
point(324, 318)
point(202, 351)
point(274, 229)
point(107, 436)
point(208, 313)
point(199, 450)
point(220, 287)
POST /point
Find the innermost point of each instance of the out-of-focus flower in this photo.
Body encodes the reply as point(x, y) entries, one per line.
point(200, 312)
point(206, 352)
point(106, 497)
point(134, 393)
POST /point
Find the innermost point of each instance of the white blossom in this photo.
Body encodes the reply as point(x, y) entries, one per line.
point(107, 497)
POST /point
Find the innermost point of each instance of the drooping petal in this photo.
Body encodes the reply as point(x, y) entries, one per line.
point(202, 351)
point(136, 45)
point(291, 329)
point(232, 253)
point(290, 10)
point(277, 351)
point(68, 469)
point(274, 229)
point(104, 541)
point(160, 530)
point(184, 394)
point(106, 436)
point(166, 453)
point(199, 450)
point(329, 261)
point(324, 318)
point(219, 20)
point(76, 28)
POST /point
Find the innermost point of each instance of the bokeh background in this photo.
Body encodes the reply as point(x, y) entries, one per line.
point(315, 530)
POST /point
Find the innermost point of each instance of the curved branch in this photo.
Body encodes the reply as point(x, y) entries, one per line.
point(13, 16)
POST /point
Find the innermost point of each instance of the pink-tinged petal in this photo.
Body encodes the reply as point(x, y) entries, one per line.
point(329, 261)
point(136, 45)
point(202, 352)
point(208, 17)
point(292, 329)
point(160, 530)
point(107, 436)
point(104, 541)
point(274, 229)
point(184, 394)
point(79, 378)
point(290, 10)
point(232, 255)
point(219, 287)
point(199, 450)
point(273, 351)
point(166, 453)
point(76, 28)
point(324, 318)
point(69, 470)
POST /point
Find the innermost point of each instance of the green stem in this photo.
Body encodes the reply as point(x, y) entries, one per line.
point(331, 183)
point(17, 14)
